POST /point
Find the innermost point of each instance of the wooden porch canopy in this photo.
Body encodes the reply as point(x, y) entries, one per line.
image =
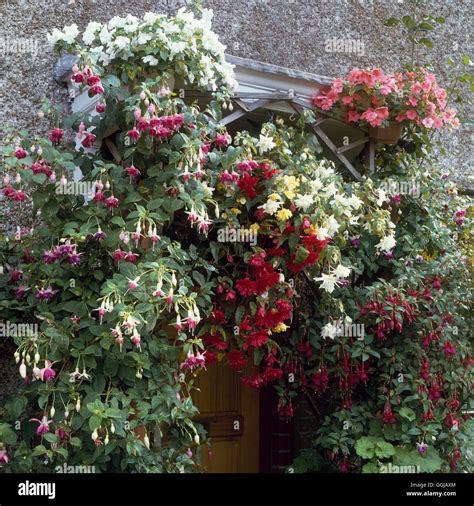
point(271, 88)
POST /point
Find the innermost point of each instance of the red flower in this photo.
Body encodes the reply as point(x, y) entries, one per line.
point(247, 184)
point(246, 287)
point(256, 339)
point(237, 359)
point(449, 349)
point(56, 135)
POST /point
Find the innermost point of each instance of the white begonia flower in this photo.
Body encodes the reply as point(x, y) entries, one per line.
point(150, 17)
point(387, 243)
point(304, 202)
point(55, 36)
point(341, 271)
point(121, 42)
point(90, 32)
point(329, 330)
point(70, 33)
point(271, 207)
point(151, 60)
point(105, 35)
point(265, 143)
point(381, 197)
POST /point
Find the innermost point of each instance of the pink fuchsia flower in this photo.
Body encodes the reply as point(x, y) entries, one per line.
point(142, 124)
point(222, 140)
point(20, 153)
point(100, 235)
point(134, 134)
point(131, 257)
point(194, 360)
point(56, 135)
point(133, 283)
point(100, 107)
point(421, 447)
point(20, 291)
point(15, 275)
point(88, 140)
point(43, 427)
point(119, 255)
point(3, 457)
point(112, 202)
point(47, 373)
point(45, 293)
point(449, 349)
point(132, 171)
point(136, 338)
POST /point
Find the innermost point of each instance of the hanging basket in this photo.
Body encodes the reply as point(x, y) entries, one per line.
point(386, 135)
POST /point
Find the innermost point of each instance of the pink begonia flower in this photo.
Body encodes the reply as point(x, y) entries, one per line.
point(43, 427)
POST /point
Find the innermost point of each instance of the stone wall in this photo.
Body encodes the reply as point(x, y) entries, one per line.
point(291, 33)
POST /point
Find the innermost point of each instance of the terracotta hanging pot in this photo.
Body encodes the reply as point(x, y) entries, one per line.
point(386, 135)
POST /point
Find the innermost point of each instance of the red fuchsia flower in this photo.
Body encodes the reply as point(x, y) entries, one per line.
point(395, 200)
point(88, 140)
point(47, 373)
point(449, 349)
point(111, 202)
point(100, 235)
point(436, 283)
point(45, 293)
point(132, 171)
point(256, 339)
point(100, 107)
point(75, 319)
point(43, 427)
point(246, 287)
point(20, 153)
point(56, 135)
point(193, 360)
point(131, 257)
point(459, 216)
point(119, 255)
point(388, 416)
point(222, 140)
point(134, 134)
point(3, 457)
point(41, 167)
point(142, 124)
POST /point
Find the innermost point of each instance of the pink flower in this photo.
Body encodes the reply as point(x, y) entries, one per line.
point(449, 349)
point(112, 202)
point(411, 114)
point(134, 134)
point(222, 140)
point(132, 171)
point(45, 293)
point(352, 116)
point(3, 457)
point(47, 373)
point(43, 427)
point(56, 135)
point(88, 140)
point(20, 153)
point(100, 107)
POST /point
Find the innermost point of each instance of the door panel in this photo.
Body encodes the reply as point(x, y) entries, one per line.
point(230, 413)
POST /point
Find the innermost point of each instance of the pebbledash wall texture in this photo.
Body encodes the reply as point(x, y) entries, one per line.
point(300, 34)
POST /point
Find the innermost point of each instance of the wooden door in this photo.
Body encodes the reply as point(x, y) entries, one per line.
point(230, 413)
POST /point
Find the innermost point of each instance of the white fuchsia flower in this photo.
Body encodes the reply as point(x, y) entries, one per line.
point(387, 243)
point(265, 143)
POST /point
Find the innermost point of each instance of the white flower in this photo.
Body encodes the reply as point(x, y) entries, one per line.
point(271, 207)
point(143, 38)
point(150, 17)
point(333, 226)
point(341, 271)
point(316, 185)
point(55, 36)
point(70, 33)
point(328, 282)
point(322, 233)
point(265, 143)
point(381, 197)
point(121, 42)
point(329, 330)
point(304, 202)
point(151, 60)
point(387, 243)
point(330, 189)
point(91, 32)
point(105, 35)
point(176, 47)
point(355, 202)
point(117, 22)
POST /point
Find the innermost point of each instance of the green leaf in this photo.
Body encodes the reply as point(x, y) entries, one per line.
point(392, 22)
point(365, 448)
point(370, 467)
point(94, 422)
point(407, 413)
point(426, 42)
point(384, 449)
